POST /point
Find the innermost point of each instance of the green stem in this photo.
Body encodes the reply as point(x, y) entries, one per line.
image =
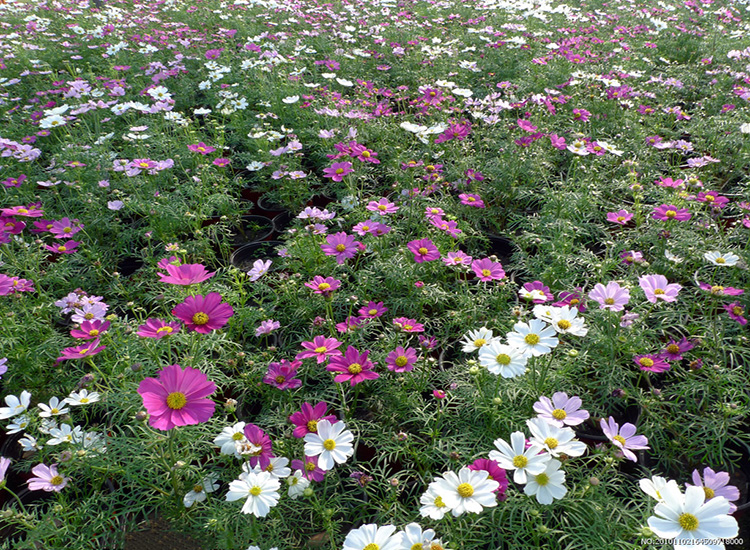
point(15, 496)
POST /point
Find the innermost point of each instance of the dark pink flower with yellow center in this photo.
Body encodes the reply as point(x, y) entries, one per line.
point(353, 366)
point(621, 217)
point(282, 375)
point(201, 148)
point(373, 310)
point(382, 207)
point(667, 212)
point(320, 348)
point(424, 250)
point(306, 420)
point(185, 274)
point(651, 363)
point(408, 325)
point(487, 270)
point(736, 312)
point(68, 247)
point(28, 211)
point(203, 314)
point(65, 228)
point(309, 468)
point(675, 349)
point(470, 199)
point(324, 286)
point(79, 352)
point(338, 170)
point(158, 329)
point(178, 397)
point(712, 198)
point(719, 290)
point(259, 449)
point(341, 245)
point(90, 329)
point(401, 360)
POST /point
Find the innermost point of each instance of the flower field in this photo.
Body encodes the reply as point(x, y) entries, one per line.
point(375, 275)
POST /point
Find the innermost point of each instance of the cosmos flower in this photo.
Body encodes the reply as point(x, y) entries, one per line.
point(656, 287)
point(185, 274)
point(203, 315)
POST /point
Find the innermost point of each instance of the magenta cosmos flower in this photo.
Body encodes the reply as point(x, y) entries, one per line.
point(259, 450)
point(156, 328)
point(487, 270)
point(79, 352)
point(320, 348)
point(651, 363)
point(282, 375)
point(185, 274)
point(178, 397)
point(736, 312)
point(64, 228)
point(201, 148)
point(309, 468)
point(423, 250)
point(657, 287)
point(561, 410)
point(353, 366)
point(382, 207)
point(675, 349)
point(323, 286)
point(341, 245)
point(612, 296)
point(338, 170)
point(46, 478)
point(721, 290)
point(68, 247)
point(408, 325)
point(621, 217)
point(90, 329)
point(401, 360)
point(306, 420)
point(203, 314)
point(716, 484)
point(372, 310)
point(624, 438)
point(671, 212)
point(470, 199)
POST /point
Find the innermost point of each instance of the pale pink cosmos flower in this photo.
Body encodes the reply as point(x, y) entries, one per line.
point(657, 288)
point(561, 410)
point(613, 296)
point(715, 484)
point(624, 438)
point(46, 478)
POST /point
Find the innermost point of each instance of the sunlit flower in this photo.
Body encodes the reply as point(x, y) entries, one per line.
point(332, 444)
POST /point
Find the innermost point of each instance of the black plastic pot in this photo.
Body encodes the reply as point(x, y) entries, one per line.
point(244, 257)
point(252, 229)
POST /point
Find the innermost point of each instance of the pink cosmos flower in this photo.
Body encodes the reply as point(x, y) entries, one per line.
point(267, 327)
point(613, 296)
point(651, 363)
point(459, 132)
point(28, 211)
point(736, 312)
point(320, 348)
point(178, 397)
point(68, 247)
point(457, 258)
point(712, 198)
point(630, 257)
point(323, 286)
point(656, 288)
point(158, 329)
point(221, 162)
point(90, 329)
point(561, 410)
point(423, 250)
point(671, 212)
point(372, 310)
point(365, 227)
point(487, 270)
point(581, 114)
point(363, 154)
point(401, 360)
point(621, 217)
point(12, 226)
point(382, 207)
point(669, 182)
point(624, 438)
point(431, 211)
point(47, 478)
point(309, 468)
point(449, 226)
point(716, 484)
point(721, 290)
point(341, 245)
point(185, 274)
point(675, 349)
point(353, 366)
point(79, 352)
point(201, 148)
point(282, 375)
point(203, 314)
point(64, 228)
point(338, 170)
point(350, 324)
point(408, 325)
point(306, 420)
point(572, 299)
point(260, 450)
point(470, 199)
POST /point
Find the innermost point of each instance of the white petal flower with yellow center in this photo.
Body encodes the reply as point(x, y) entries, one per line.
point(260, 489)
point(548, 485)
point(565, 320)
point(533, 338)
point(502, 360)
point(726, 259)
point(556, 441)
point(372, 537)
point(477, 339)
point(655, 486)
point(229, 437)
point(332, 444)
point(469, 491)
point(200, 490)
point(518, 458)
point(297, 484)
point(433, 506)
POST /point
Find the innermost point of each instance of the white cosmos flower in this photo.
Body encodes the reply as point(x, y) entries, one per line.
point(290, 99)
point(371, 536)
point(554, 440)
point(476, 339)
point(655, 486)
point(260, 489)
point(228, 438)
point(534, 339)
point(548, 485)
point(277, 467)
point(469, 491)
point(690, 521)
point(200, 490)
point(413, 537)
point(433, 506)
point(297, 484)
point(745, 128)
point(332, 444)
point(84, 397)
point(16, 405)
point(518, 458)
point(53, 409)
point(565, 320)
point(725, 260)
point(19, 424)
point(672, 258)
point(545, 313)
point(344, 82)
point(503, 360)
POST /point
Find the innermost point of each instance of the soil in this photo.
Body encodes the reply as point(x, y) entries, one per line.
point(160, 536)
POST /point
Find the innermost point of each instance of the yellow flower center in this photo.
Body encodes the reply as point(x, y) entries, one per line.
point(409, 327)
point(542, 479)
point(366, 154)
point(439, 502)
point(717, 289)
point(688, 522)
point(417, 546)
point(559, 414)
point(143, 164)
point(84, 400)
point(479, 342)
point(673, 348)
point(465, 490)
point(339, 170)
point(93, 332)
point(56, 480)
point(551, 442)
point(312, 426)
point(255, 491)
point(658, 291)
point(422, 250)
point(280, 379)
point(503, 359)
point(84, 351)
point(401, 361)
point(372, 312)
point(54, 411)
point(620, 218)
point(720, 260)
point(646, 362)
point(168, 330)
point(710, 198)
point(321, 349)
point(371, 546)
point(329, 444)
point(354, 368)
point(197, 488)
point(429, 167)
point(176, 400)
point(486, 272)
point(564, 324)
point(309, 466)
point(670, 213)
point(531, 339)
point(62, 248)
point(22, 211)
point(324, 286)
point(340, 247)
point(200, 318)
point(737, 310)
point(619, 439)
point(238, 436)
point(520, 461)
point(269, 468)
point(67, 229)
